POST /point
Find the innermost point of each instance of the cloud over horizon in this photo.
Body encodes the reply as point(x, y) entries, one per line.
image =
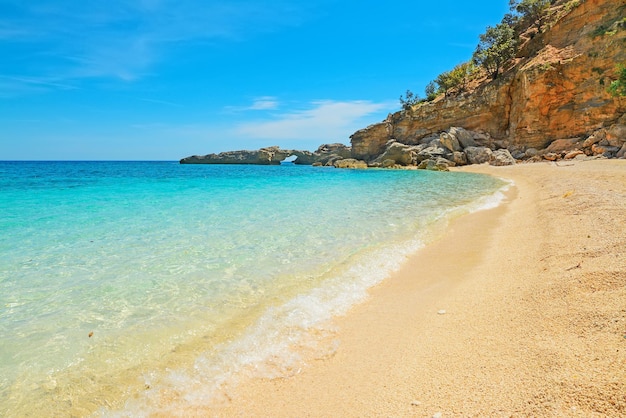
point(326, 120)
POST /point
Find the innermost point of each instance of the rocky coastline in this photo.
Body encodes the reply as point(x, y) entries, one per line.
point(551, 103)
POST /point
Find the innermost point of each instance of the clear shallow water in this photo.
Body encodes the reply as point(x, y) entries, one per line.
point(131, 287)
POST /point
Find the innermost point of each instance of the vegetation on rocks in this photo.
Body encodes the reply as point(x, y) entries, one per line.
point(496, 48)
point(531, 12)
point(618, 87)
point(409, 99)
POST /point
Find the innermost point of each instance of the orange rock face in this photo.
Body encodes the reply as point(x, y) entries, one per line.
point(557, 89)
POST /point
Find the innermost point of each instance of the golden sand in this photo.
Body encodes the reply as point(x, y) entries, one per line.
point(515, 311)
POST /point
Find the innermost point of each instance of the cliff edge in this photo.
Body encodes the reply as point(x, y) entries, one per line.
point(554, 93)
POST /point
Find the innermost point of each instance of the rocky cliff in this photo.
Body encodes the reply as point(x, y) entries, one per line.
point(554, 92)
point(273, 156)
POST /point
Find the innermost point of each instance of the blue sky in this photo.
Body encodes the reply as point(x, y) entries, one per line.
point(164, 79)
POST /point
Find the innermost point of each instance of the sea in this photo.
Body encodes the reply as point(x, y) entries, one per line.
point(142, 288)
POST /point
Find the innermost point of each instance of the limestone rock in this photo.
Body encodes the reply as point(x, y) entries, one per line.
point(369, 143)
point(573, 154)
point(459, 158)
point(605, 150)
point(264, 156)
point(350, 163)
point(478, 155)
point(450, 142)
point(556, 89)
point(531, 152)
point(274, 155)
point(400, 153)
point(564, 145)
point(502, 157)
point(616, 135)
point(465, 138)
point(439, 164)
point(431, 152)
point(594, 138)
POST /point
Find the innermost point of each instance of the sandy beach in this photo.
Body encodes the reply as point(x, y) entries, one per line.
point(516, 311)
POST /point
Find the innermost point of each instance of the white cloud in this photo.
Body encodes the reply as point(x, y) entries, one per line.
point(264, 103)
point(325, 121)
point(259, 103)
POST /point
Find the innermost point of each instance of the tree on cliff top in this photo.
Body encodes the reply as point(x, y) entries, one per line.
point(410, 100)
point(531, 11)
point(497, 46)
point(456, 79)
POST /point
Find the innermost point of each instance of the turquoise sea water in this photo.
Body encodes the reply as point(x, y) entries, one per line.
point(128, 288)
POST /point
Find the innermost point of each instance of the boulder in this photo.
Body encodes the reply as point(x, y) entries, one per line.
point(450, 142)
point(428, 139)
point(594, 138)
point(350, 163)
point(444, 162)
point(463, 136)
point(605, 150)
point(338, 149)
point(433, 165)
point(573, 154)
point(459, 158)
point(531, 152)
point(400, 153)
point(551, 156)
point(478, 155)
point(431, 152)
point(502, 157)
point(564, 145)
point(616, 135)
point(484, 140)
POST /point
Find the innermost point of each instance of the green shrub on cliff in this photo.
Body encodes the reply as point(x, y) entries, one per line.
point(455, 80)
point(497, 46)
point(431, 91)
point(409, 100)
point(618, 87)
point(531, 11)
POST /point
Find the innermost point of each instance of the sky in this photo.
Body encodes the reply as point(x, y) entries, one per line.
point(165, 79)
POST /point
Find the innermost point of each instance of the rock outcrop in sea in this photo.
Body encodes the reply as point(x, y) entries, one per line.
point(274, 156)
point(552, 102)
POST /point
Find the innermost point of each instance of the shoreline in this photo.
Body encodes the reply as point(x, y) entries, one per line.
point(515, 311)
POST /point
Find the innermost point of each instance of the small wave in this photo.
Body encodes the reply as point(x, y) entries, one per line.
point(276, 346)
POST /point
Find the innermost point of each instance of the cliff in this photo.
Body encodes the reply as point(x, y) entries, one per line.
point(273, 156)
point(556, 89)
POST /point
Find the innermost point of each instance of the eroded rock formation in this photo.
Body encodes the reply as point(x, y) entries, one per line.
point(556, 91)
point(273, 156)
point(550, 103)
